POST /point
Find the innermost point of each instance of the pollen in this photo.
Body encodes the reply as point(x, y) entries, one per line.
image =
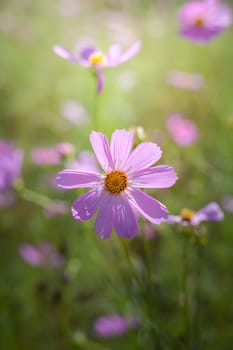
point(186, 214)
point(97, 58)
point(199, 22)
point(116, 182)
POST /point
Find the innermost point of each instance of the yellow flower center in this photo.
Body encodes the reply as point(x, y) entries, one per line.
point(97, 58)
point(199, 22)
point(115, 182)
point(186, 214)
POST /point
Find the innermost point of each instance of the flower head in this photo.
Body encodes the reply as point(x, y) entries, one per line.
point(183, 131)
point(93, 57)
point(184, 80)
point(201, 21)
point(114, 325)
point(44, 254)
point(10, 170)
point(115, 194)
point(51, 155)
point(211, 212)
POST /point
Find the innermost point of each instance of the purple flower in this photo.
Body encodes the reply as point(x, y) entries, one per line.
point(114, 325)
point(74, 112)
point(211, 212)
point(184, 80)
point(10, 170)
point(56, 208)
point(115, 193)
point(86, 161)
point(93, 57)
point(227, 203)
point(44, 254)
point(183, 131)
point(51, 155)
point(201, 21)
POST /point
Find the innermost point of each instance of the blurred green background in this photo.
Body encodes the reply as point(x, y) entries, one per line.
point(47, 308)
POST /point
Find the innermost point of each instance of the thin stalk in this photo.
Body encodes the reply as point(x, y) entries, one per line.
point(185, 291)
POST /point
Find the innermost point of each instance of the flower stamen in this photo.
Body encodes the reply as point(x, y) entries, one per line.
point(116, 182)
point(199, 22)
point(186, 214)
point(97, 58)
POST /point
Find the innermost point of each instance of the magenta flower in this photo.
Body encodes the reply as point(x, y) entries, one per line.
point(183, 131)
point(10, 170)
point(114, 325)
point(51, 155)
point(115, 193)
point(44, 254)
point(92, 57)
point(86, 161)
point(201, 21)
point(184, 80)
point(211, 212)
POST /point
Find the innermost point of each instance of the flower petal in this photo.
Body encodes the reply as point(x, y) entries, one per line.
point(144, 155)
point(161, 176)
point(211, 212)
point(70, 178)
point(150, 208)
point(86, 205)
point(64, 53)
point(113, 56)
point(125, 222)
point(100, 146)
point(121, 146)
point(104, 220)
point(130, 52)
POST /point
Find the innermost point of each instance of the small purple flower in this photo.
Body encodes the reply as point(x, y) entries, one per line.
point(10, 170)
point(184, 80)
point(115, 194)
point(114, 325)
point(183, 131)
point(51, 155)
point(201, 21)
point(211, 212)
point(56, 208)
point(86, 161)
point(75, 113)
point(44, 254)
point(93, 57)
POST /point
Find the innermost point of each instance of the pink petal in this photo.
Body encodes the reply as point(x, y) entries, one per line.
point(125, 222)
point(104, 220)
point(100, 146)
point(121, 146)
point(132, 51)
point(151, 209)
point(161, 176)
point(86, 205)
point(211, 212)
point(30, 254)
point(69, 178)
point(113, 55)
point(144, 155)
point(67, 55)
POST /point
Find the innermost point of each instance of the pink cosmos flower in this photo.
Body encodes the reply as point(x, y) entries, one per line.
point(86, 161)
point(92, 57)
point(115, 194)
point(201, 21)
point(11, 160)
point(211, 212)
point(44, 254)
point(184, 80)
point(183, 131)
point(114, 325)
point(51, 155)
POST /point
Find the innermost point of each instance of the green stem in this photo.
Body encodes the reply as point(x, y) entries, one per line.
point(32, 196)
point(197, 297)
point(185, 291)
point(130, 264)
